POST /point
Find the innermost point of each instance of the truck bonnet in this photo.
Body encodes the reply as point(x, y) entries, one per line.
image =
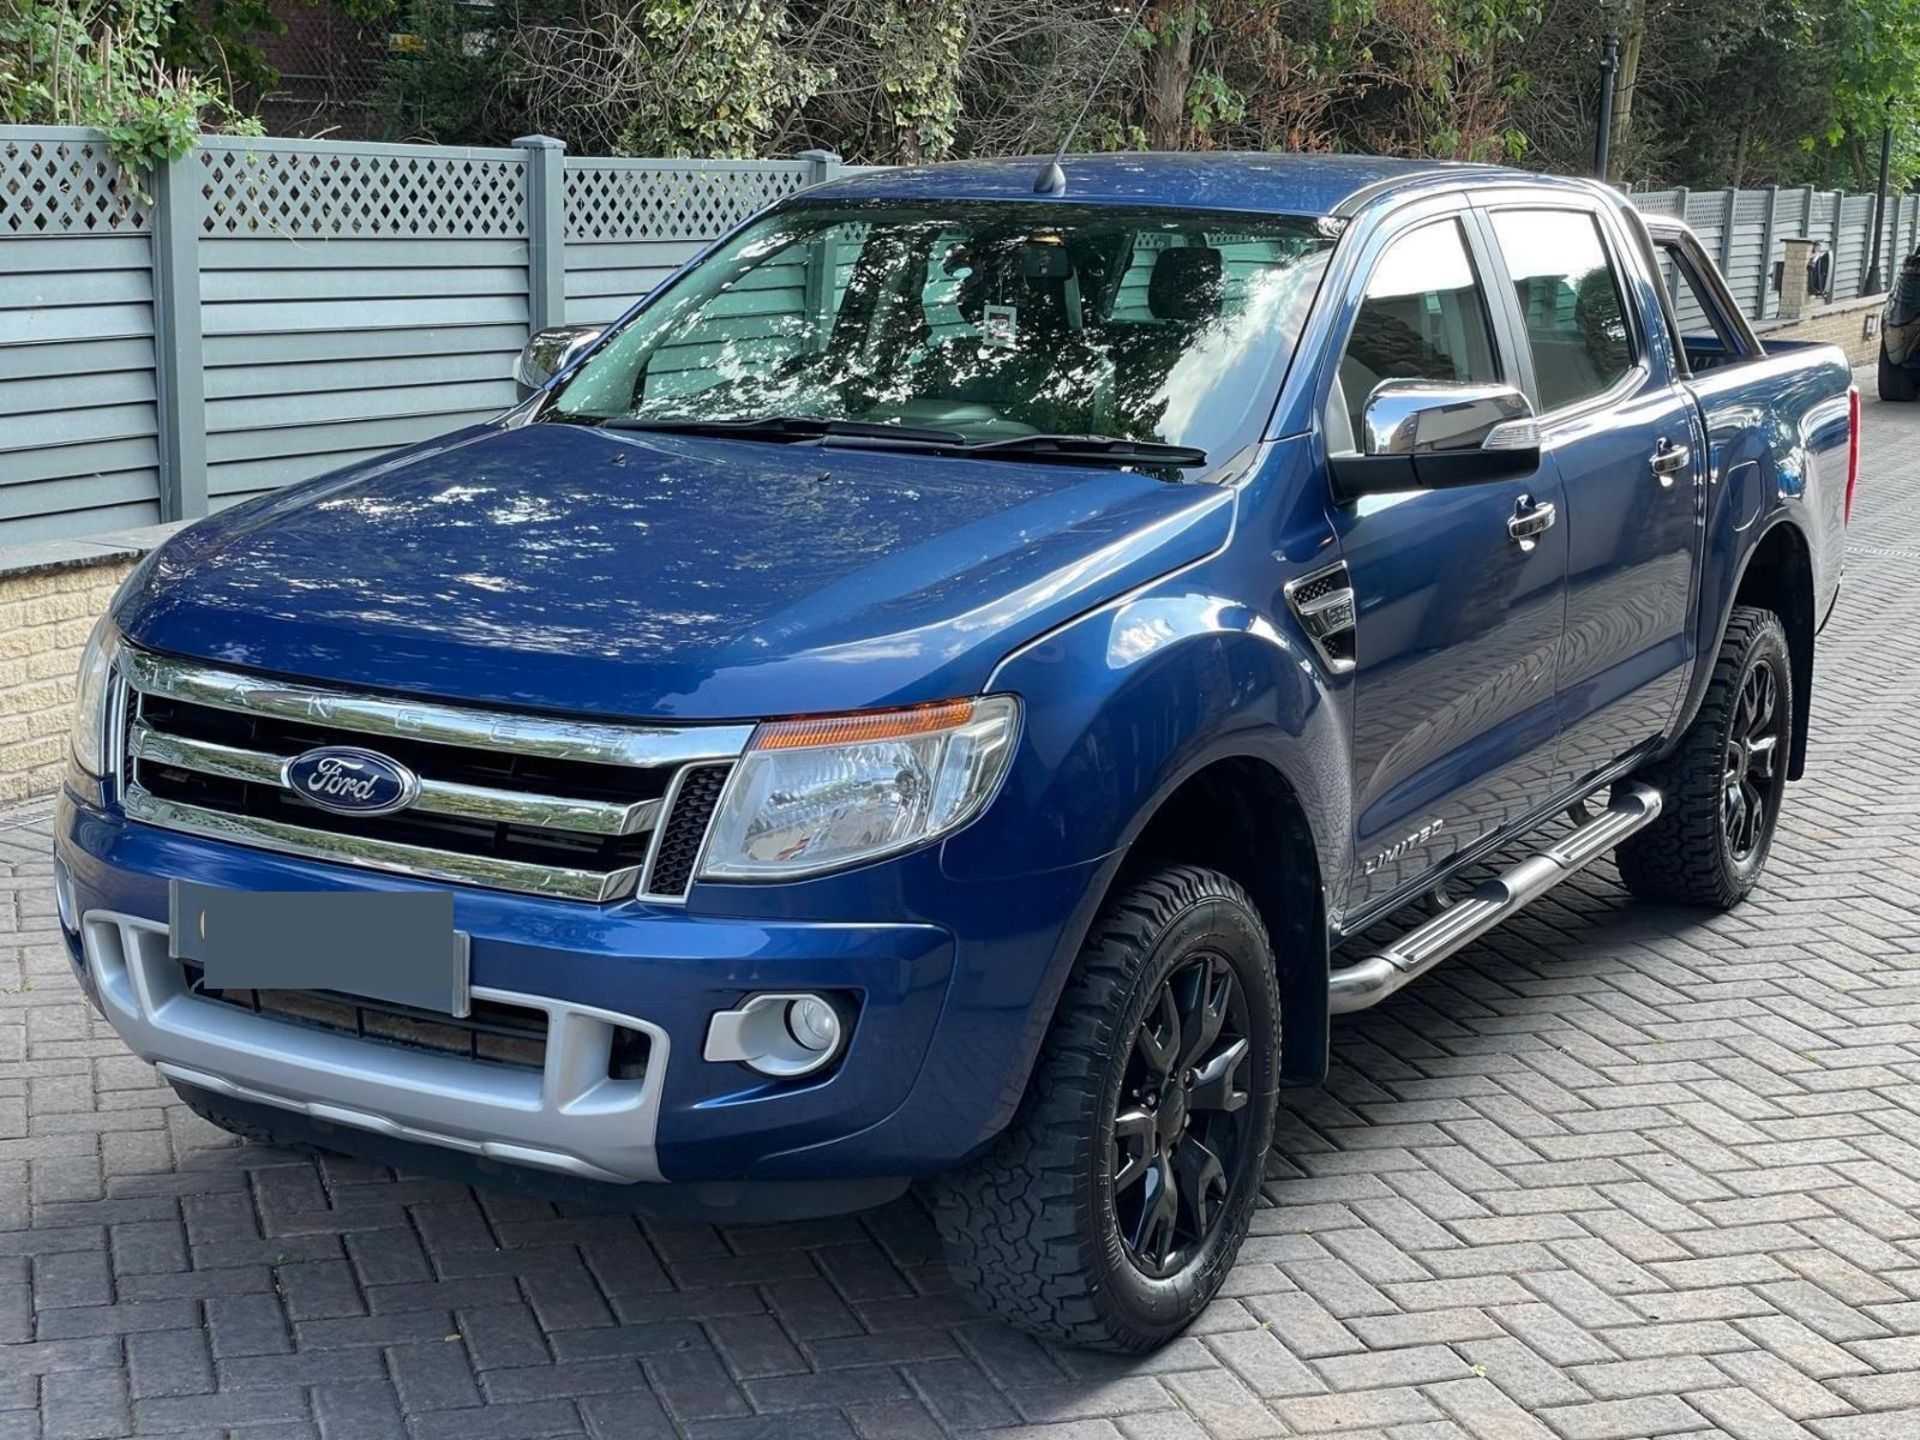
point(570, 569)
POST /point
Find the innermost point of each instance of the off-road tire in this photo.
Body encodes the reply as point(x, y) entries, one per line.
point(1031, 1227)
point(1685, 857)
point(1897, 382)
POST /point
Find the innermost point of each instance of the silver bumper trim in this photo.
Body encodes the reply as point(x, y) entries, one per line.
point(572, 1117)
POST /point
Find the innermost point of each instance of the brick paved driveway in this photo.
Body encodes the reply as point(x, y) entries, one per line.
point(1618, 1172)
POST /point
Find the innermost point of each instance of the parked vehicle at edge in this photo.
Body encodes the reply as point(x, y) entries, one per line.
point(1900, 334)
point(927, 695)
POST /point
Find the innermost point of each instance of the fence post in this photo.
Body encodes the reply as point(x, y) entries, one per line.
point(822, 165)
point(823, 258)
point(1726, 228)
point(179, 354)
point(1806, 212)
point(1766, 251)
point(546, 230)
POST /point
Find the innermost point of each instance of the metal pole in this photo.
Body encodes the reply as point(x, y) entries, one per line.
point(1603, 132)
point(1872, 284)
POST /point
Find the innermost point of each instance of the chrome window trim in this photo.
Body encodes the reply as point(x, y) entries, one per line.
point(435, 797)
point(396, 857)
point(594, 741)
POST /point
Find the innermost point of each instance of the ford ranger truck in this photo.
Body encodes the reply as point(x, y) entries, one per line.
point(943, 689)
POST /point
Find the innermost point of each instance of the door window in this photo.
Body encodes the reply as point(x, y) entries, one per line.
point(1569, 301)
point(1424, 317)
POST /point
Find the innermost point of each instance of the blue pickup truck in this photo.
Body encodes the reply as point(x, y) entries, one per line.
point(942, 690)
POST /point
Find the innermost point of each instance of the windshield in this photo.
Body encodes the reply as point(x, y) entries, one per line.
point(981, 321)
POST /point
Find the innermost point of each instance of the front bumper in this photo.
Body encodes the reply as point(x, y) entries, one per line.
point(571, 1116)
point(591, 970)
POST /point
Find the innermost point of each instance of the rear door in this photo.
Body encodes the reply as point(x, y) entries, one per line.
point(1625, 442)
point(1458, 619)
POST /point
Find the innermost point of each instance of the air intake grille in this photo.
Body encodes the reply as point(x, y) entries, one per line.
point(499, 1034)
point(687, 829)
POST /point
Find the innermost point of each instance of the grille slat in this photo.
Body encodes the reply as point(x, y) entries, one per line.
point(437, 797)
point(205, 753)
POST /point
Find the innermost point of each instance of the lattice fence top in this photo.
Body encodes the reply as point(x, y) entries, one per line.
point(263, 190)
point(625, 201)
point(66, 187)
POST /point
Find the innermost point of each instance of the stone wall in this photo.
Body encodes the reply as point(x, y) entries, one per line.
point(1844, 324)
point(50, 595)
point(45, 615)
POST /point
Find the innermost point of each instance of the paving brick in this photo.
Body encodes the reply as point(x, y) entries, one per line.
point(84, 1405)
point(1624, 1419)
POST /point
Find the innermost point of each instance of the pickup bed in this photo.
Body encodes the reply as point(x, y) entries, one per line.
point(932, 691)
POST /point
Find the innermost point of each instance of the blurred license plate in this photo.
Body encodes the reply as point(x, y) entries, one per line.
point(400, 947)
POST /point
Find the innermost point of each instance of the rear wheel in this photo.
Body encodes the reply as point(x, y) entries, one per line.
point(1111, 1210)
point(1896, 381)
point(1724, 783)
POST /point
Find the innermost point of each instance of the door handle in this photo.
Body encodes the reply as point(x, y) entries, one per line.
point(1530, 521)
point(1670, 460)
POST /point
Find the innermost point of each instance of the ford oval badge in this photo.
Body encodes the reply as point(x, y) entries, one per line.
point(351, 781)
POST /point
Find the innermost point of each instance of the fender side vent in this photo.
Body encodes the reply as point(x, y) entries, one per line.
point(1324, 604)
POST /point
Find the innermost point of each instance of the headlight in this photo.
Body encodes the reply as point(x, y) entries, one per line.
point(813, 795)
point(92, 697)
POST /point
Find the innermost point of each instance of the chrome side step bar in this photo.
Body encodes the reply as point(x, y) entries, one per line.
point(1356, 987)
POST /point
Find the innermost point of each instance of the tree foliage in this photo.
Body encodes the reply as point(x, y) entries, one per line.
point(1711, 92)
point(108, 67)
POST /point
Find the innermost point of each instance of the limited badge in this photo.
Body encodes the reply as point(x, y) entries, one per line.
point(1000, 326)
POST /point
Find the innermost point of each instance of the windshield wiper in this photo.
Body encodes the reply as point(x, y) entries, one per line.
point(1092, 447)
point(788, 428)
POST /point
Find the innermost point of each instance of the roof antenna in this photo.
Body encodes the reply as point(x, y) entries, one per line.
point(1052, 179)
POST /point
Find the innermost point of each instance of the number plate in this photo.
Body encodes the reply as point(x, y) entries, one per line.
point(399, 946)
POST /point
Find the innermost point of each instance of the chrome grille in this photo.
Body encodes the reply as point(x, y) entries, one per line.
point(575, 809)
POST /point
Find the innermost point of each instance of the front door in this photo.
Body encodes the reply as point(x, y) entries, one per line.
point(1458, 617)
point(1626, 445)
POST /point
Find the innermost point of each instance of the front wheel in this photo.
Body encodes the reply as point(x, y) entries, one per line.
point(1111, 1210)
point(1724, 782)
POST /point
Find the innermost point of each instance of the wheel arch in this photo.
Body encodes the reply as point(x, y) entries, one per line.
point(1241, 815)
point(1778, 576)
point(1775, 573)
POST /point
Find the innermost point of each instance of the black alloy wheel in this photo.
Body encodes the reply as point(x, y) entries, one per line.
point(1725, 782)
point(1183, 1121)
point(1110, 1211)
point(1754, 768)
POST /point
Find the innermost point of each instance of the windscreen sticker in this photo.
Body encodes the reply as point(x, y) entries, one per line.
point(1000, 326)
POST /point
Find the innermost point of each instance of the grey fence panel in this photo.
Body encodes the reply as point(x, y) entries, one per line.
point(353, 299)
point(631, 223)
point(1850, 253)
point(79, 426)
point(1745, 252)
point(1658, 202)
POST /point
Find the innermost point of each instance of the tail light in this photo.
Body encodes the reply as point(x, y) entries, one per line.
point(1853, 447)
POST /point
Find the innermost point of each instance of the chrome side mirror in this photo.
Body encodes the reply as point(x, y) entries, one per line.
point(1424, 434)
point(549, 352)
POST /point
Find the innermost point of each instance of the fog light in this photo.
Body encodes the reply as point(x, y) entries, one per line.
point(785, 1035)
